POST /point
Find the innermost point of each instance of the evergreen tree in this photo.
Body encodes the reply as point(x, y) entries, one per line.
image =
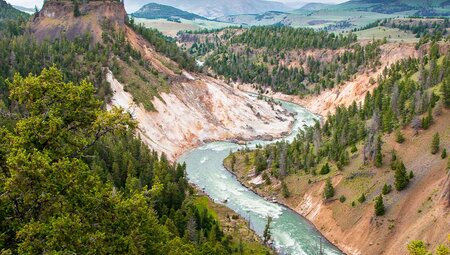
point(427, 120)
point(329, 189)
point(379, 206)
point(362, 198)
point(284, 190)
point(379, 153)
point(260, 162)
point(401, 176)
point(267, 233)
point(446, 92)
point(444, 153)
point(399, 138)
point(386, 189)
point(80, 182)
point(76, 9)
point(435, 143)
point(325, 169)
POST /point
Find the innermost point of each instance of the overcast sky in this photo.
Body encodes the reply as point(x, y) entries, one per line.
point(32, 3)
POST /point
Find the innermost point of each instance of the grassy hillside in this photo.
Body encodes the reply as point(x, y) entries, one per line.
point(314, 7)
point(415, 7)
point(159, 11)
point(172, 27)
point(392, 34)
point(345, 16)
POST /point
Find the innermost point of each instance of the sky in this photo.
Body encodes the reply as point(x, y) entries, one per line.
point(38, 3)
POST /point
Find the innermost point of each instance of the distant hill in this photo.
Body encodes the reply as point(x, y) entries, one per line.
point(408, 7)
point(219, 8)
point(267, 18)
point(160, 11)
point(9, 12)
point(340, 17)
point(315, 6)
point(25, 9)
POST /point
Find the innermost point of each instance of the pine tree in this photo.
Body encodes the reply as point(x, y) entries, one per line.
point(393, 159)
point(399, 138)
point(325, 169)
point(435, 144)
point(76, 9)
point(444, 153)
point(260, 162)
point(379, 155)
point(446, 92)
point(362, 198)
point(284, 190)
point(379, 206)
point(401, 176)
point(386, 189)
point(267, 235)
point(329, 189)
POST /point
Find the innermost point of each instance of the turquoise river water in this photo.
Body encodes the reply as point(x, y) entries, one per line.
point(291, 233)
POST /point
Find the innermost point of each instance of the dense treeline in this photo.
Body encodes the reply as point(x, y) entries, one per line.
point(282, 58)
point(77, 59)
point(288, 38)
point(264, 68)
point(398, 101)
point(426, 29)
point(74, 180)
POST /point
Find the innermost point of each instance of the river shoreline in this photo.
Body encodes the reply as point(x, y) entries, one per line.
point(282, 204)
point(237, 140)
point(284, 207)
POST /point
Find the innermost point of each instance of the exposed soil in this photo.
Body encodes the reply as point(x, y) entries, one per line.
point(420, 212)
point(56, 20)
point(200, 110)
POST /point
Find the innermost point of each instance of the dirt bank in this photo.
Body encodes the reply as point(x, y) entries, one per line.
point(199, 110)
point(420, 212)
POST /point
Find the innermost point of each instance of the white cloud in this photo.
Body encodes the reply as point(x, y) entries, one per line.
point(26, 3)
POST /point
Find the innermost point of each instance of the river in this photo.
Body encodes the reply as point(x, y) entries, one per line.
point(291, 233)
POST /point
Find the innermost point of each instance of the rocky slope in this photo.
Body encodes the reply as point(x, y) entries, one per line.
point(195, 109)
point(202, 109)
point(199, 109)
point(421, 212)
point(56, 19)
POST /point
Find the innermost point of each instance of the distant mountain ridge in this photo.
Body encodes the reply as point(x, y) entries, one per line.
point(315, 6)
point(219, 8)
point(411, 7)
point(24, 9)
point(7, 11)
point(160, 11)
